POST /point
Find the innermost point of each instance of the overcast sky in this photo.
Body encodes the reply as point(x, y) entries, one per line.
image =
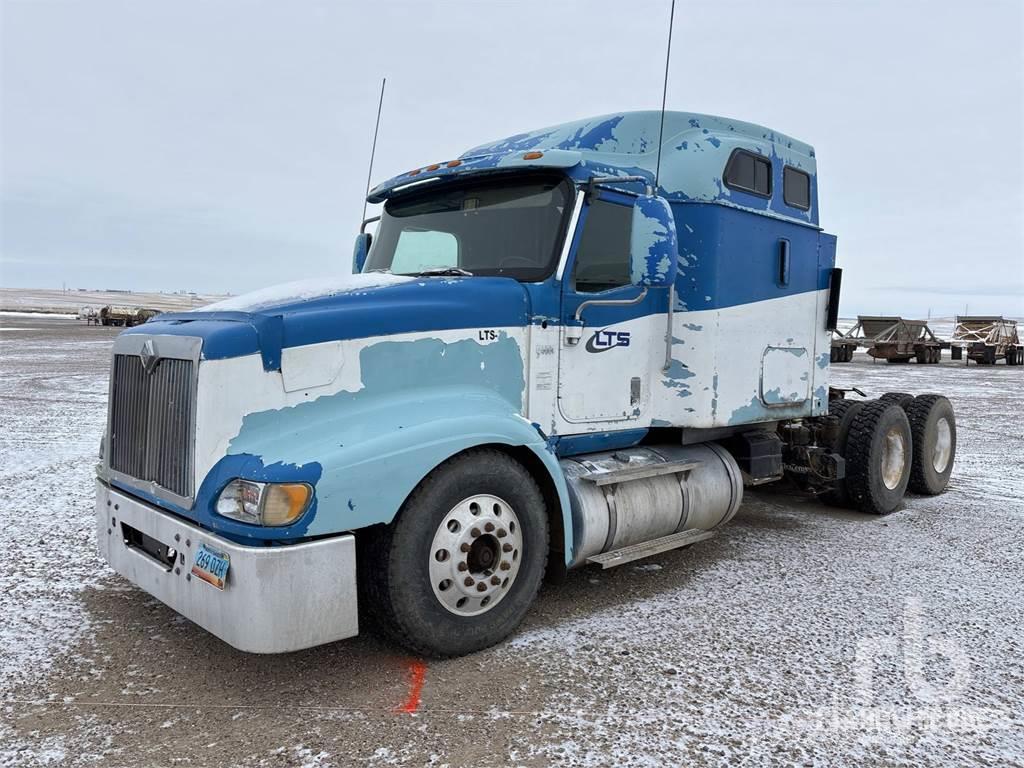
point(222, 146)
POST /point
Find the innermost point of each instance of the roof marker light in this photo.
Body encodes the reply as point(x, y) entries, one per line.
point(453, 163)
point(414, 173)
point(533, 156)
point(433, 167)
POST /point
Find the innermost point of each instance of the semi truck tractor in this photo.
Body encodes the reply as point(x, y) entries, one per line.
point(573, 347)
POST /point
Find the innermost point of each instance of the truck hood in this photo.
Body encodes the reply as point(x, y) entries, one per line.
point(344, 307)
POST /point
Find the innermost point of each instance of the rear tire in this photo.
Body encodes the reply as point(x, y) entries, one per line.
point(879, 449)
point(425, 583)
point(902, 399)
point(844, 410)
point(933, 429)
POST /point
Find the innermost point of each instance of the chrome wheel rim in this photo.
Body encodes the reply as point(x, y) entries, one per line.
point(475, 555)
point(894, 458)
point(943, 449)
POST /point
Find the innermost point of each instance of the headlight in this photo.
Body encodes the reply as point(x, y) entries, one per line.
point(264, 503)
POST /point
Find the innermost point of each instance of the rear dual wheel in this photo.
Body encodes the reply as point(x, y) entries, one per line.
point(933, 429)
point(460, 566)
point(890, 445)
point(845, 411)
point(878, 457)
point(897, 398)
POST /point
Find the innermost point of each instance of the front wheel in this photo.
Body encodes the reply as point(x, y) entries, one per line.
point(459, 568)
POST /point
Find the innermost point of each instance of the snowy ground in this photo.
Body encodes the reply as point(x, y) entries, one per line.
point(800, 635)
point(53, 301)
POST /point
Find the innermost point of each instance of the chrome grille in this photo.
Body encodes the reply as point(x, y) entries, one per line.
point(151, 421)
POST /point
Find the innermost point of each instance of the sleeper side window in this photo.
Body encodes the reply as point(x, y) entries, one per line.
point(749, 172)
point(602, 257)
point(796, 188)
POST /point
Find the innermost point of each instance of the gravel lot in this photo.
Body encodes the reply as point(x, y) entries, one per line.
point(799, 635)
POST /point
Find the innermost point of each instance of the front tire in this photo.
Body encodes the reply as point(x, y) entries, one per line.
point(459, 568)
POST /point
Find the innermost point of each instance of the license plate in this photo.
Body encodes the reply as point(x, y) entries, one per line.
point(211, 566)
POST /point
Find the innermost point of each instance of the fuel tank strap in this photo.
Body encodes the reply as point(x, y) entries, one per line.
point(639, 473)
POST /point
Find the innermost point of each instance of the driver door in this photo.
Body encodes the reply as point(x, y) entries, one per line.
point(603, 377)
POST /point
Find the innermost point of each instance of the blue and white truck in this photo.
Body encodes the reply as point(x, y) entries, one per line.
point(572, 346)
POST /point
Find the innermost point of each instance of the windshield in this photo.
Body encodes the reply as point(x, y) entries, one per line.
point(508, 229)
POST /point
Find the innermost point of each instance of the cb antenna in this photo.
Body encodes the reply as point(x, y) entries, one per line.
point(664, 95)
point(373, 149)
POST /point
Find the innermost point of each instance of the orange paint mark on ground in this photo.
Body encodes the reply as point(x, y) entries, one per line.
point(417, 672)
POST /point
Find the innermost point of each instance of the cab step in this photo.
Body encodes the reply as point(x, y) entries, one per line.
point(633, 552)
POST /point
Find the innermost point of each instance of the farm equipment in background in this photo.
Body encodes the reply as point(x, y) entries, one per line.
point(123, 316)
point(895, 340)
point(986, 339)
point(842, 347)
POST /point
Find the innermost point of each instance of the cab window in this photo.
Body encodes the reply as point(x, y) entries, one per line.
point(749, 172)
point(421, 249)
point(796, 188)
point(602, 258)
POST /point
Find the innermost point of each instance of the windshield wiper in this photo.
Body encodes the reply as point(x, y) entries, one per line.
point(443, 271)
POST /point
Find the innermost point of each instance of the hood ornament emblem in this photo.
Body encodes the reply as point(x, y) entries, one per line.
point(149, 356)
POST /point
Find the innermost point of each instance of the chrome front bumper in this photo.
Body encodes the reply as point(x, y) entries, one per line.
point(275, 599)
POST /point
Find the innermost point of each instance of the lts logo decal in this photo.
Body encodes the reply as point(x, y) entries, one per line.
point(604, 340)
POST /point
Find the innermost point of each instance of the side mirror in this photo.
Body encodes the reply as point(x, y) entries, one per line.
point(653, 245)
point(359, 252)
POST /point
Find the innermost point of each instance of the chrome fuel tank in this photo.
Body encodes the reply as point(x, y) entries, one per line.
point(635, 495)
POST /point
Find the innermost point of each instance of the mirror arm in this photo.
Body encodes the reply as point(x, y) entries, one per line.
point(362, 227)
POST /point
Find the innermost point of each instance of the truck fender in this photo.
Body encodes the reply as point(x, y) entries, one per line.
point(372, 457)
